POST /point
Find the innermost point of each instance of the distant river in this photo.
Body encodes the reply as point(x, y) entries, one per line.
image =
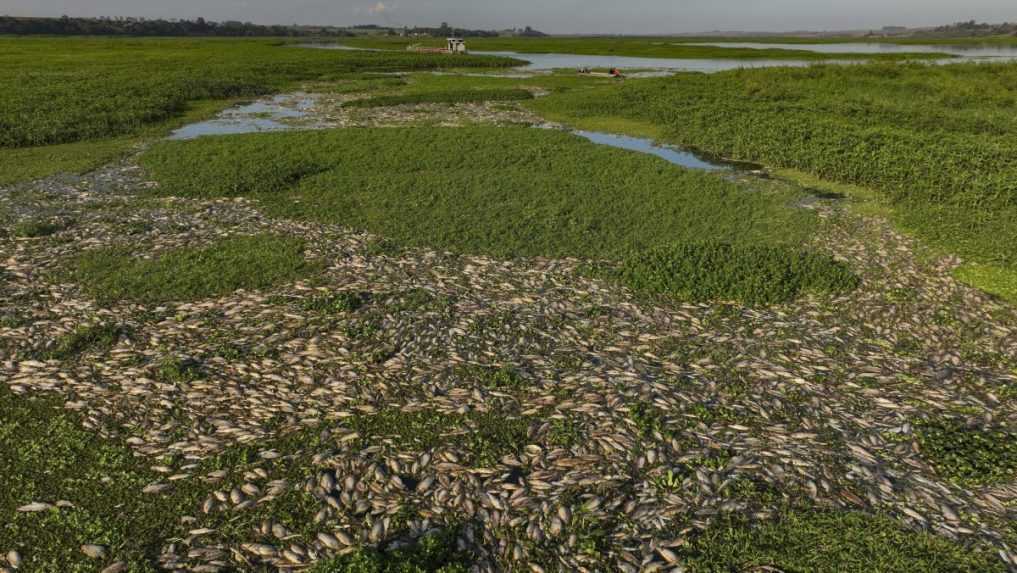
point(544, 62)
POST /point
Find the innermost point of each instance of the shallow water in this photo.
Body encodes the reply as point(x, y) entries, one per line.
point(876, 48)
point(547, 62)
point(677, 156)
point(280, 113)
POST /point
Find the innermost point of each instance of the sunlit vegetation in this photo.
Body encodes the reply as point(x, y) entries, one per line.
point(936, 142)
point(65, 90)
point(751, 273)
point(114, 273)
point(515, 193)
point(970, 454)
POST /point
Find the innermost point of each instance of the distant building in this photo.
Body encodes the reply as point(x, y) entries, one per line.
point(455, 46)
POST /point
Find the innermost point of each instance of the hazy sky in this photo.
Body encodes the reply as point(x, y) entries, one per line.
point(561, 16)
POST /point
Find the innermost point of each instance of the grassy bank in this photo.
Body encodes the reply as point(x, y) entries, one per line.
point(646, 47)
point(937, 143)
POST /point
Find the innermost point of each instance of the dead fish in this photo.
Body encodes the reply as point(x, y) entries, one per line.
point(14, 558)
point(35, 506)
point(94, 551)
point(329, 541)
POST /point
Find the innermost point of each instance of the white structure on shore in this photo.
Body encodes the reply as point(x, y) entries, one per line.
point(455, 46)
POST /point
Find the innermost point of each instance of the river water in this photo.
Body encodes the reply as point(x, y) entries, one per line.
point(547, 62)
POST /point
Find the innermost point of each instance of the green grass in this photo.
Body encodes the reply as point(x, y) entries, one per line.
point(646, 47)
point(749, 273)
point(971, 456)
point(255, 262)
point(62, 90)
point(830, 542)
point(503, 192)
point(935, 143)
point(448, 97)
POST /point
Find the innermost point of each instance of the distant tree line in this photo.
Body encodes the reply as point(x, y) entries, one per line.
point(972, 28)
point(66, 26)
point(445, 31)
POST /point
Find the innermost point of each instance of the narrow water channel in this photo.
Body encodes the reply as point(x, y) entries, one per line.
point(293, 111)
point(677, 156)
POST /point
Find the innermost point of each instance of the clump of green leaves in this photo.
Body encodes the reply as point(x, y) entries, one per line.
point(753, 274)
point(444, 97)
point(254, 262)
point(93, 337)
point(178, 370)
point(33, 229)
point(337, 302)
point(969, 455)
point(503, 378)
point(432, 553)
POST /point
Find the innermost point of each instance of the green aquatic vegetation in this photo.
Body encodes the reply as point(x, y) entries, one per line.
point(255, 262)
point(445, 97)
point(432, 553)
point(936, 143)
point(504, 378)
point(336, 302)
point(967, 454)
point(753, 274)
point(508, 192)
point(89, 338)
point(1000, 281)
point(177, 370)
point(30, 163)
point(34, 229)
point(830, 542)
point(61, 90)
point(49, 456)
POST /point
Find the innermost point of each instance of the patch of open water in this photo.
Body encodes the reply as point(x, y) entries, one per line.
point(539, 62)
point(676, 155)
point(282, 112)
